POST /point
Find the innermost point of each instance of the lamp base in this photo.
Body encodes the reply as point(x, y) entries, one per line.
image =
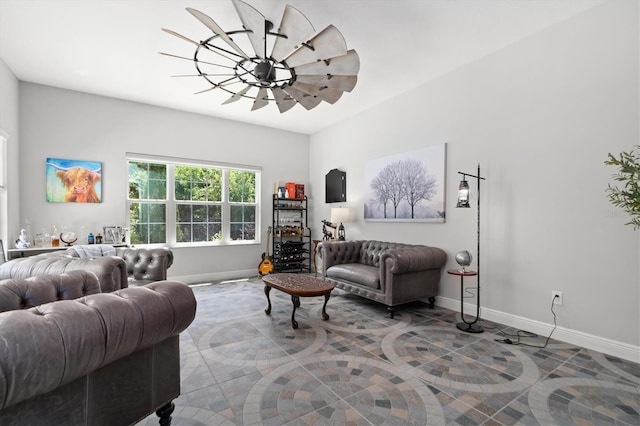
point(470, 328)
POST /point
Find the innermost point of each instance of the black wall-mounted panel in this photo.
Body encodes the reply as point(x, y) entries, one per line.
point(336, 186)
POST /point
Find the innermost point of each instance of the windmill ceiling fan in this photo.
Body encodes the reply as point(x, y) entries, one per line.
point(305, 66)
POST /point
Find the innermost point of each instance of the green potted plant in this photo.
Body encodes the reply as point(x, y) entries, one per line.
point(628, 196)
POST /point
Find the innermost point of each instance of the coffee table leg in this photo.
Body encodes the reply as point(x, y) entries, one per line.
point(267, 289)
point(325, 316)
point(296, 302)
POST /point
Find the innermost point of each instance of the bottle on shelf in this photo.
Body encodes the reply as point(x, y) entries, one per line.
point(98, 238)
point(90, 238)
point(55, 237)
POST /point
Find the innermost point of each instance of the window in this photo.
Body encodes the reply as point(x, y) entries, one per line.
point(191, 203)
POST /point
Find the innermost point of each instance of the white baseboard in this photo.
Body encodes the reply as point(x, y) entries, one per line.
point(215, 276)
point(589, 341)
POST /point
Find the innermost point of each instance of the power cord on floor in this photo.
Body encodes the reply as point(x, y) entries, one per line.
point(521, 333)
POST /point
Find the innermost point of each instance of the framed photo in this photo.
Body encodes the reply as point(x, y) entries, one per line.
point(407, 187)
point(113, 234)
point(73, 181)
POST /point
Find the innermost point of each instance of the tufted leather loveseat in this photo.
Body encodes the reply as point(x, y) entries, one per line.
point(129, 267)
point(100, 359)
point(389, 273)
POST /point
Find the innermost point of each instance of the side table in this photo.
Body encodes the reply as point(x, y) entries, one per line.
point(473, 326)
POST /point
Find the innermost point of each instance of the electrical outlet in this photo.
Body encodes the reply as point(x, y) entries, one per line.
point(556, 300)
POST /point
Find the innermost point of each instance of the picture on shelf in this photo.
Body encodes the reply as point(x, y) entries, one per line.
point(73, 181)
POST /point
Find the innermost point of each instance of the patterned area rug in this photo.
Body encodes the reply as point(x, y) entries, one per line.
point(242, 367)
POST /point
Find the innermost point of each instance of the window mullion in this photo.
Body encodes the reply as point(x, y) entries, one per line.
point(171, 205)
point(226, 209)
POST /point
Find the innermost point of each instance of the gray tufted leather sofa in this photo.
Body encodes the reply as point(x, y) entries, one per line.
point(100, 359)
point(389, 273)
point(130, 266)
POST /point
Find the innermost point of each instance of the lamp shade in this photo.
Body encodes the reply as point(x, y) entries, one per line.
point(340, 215)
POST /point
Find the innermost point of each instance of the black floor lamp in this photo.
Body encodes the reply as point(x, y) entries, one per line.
point(463, 201)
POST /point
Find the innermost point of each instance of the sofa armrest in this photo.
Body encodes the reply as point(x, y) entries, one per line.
point(53, 344)
point(146, 264)
point(400, 261)
point(34, 291)
point(338, 252)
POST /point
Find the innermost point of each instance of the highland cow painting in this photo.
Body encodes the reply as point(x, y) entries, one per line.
point(407, 187)
point(73, 181)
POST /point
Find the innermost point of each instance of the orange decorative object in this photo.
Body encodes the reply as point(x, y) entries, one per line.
point(291, 189)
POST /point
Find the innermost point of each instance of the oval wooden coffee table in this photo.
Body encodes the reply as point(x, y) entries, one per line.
point(297, 285)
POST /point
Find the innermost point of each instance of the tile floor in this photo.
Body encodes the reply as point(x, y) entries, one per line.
point(242, 367)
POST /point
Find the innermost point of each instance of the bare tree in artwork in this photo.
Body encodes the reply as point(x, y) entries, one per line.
point(381, 187)
point(418, 184)
point(388, 186)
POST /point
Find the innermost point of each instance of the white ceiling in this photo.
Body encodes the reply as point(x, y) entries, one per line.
point(111, 47)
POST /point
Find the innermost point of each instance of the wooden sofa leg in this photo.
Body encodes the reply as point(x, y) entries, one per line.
point(391, 310)
point(432, 302)
point(164, 413)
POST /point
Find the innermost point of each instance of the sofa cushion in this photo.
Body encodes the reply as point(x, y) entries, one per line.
point(365, 275)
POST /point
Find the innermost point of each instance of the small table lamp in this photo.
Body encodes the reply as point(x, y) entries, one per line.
point(340, 215)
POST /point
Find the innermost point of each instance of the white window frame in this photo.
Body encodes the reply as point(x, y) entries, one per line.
point(170, 202)
point(3, 158)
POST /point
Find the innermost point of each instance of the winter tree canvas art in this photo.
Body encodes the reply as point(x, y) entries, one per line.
point(407, 187)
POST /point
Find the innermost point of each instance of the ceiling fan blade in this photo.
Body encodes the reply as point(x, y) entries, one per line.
point(173, 33)
point(191, 60)
point(237, 95)
point(328, 95)
point(262, 99)
point(255, 23)
point(203, 75)
point(284, 101)
point(211, 24)
point(348, 64)
point(297, 29)
point(345, 83)
point(306, 100)
point(327, 44)
point(206, 90)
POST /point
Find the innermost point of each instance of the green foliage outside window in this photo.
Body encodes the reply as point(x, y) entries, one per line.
point(202, 221)
point(198, 183)
point(147, 220)
point(197, 202)
point(242, 189)
point(242, 186)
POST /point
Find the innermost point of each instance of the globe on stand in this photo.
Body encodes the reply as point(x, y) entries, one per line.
point(68, 238)
point(464, 259)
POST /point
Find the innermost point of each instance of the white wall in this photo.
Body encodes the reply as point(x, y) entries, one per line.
point(9, 203)
point(540, 116)
point(66, 124)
